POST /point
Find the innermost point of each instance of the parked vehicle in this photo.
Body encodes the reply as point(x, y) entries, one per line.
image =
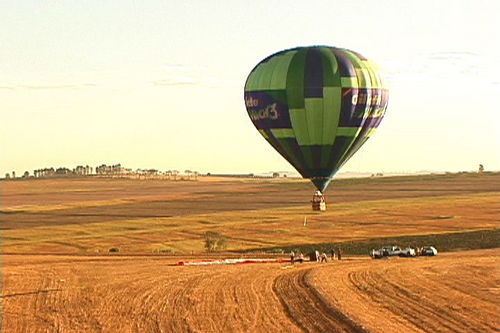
point(408, 252)
point(392, 251)
point(386, 251)
point(377, 254)
point(428, 251)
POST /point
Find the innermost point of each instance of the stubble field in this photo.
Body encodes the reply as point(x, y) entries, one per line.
point(58, 274)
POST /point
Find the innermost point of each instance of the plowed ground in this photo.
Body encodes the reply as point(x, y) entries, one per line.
point(454, 292)
point(58, 274)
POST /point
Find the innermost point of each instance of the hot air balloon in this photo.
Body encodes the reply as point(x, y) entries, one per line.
point(316, 106)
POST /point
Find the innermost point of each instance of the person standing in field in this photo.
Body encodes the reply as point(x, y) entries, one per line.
point(332, 253)
point(339, 253)
point(292, 257)
point(324, 257)
point(316, 253)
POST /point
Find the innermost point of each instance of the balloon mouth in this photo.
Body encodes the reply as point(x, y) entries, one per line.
point(321, 183)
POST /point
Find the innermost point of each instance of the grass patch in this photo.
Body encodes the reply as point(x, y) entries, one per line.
point(163, 250)
point(446, 242)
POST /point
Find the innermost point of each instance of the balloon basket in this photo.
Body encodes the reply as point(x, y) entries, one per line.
point(318, 202)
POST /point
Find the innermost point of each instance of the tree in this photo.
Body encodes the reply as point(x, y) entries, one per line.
point(214, 241)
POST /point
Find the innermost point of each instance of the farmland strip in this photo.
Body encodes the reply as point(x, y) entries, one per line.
point(307, 309)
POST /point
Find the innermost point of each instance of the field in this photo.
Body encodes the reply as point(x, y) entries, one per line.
point(59, 274)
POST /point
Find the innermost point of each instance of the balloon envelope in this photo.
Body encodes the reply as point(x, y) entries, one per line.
point(316, 106)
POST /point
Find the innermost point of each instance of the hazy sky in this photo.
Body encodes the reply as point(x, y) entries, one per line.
point(159, 84)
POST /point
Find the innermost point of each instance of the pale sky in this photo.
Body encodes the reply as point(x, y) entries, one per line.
point(159, 84)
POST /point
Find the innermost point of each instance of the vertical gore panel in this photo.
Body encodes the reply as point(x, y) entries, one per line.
point(313, 78)
point(299, 125)
point(278, 80)
point(348, 107)
point(331, 113)
point(331, 74)
point(374, 78)
point(364, 80)
point(284, 151)
point(316, 157)
point(291, 146)
point(308, 157)
point(302, 159)
point(345, 66)
point(252, 80)
point(295, 80)
point(314, 118)
point(326, 152)
point(267, 73)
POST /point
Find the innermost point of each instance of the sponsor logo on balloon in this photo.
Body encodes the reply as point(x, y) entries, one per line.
point(360, 104)
point(269, 112)
point(373, 98)
point(251, 102)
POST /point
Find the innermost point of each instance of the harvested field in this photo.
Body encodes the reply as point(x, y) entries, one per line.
point(59, 274)
point(454, 292)
point(91, 215)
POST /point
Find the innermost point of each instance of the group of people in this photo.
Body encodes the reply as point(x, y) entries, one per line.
point(315, 256)
point(292, 257)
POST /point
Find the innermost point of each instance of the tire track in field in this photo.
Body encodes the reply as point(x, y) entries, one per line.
point(193, 299)
point(233, 299)
point(397, 301)
point(307, 308)
point(404, 302)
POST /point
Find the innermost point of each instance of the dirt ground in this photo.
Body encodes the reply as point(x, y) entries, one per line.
point(58, 274)
point(453, 292)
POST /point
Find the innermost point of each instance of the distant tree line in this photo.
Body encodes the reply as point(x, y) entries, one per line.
point(51, 172)
point(104, 170)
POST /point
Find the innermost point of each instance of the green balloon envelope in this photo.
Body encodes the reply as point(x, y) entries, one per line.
point(316, 106)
